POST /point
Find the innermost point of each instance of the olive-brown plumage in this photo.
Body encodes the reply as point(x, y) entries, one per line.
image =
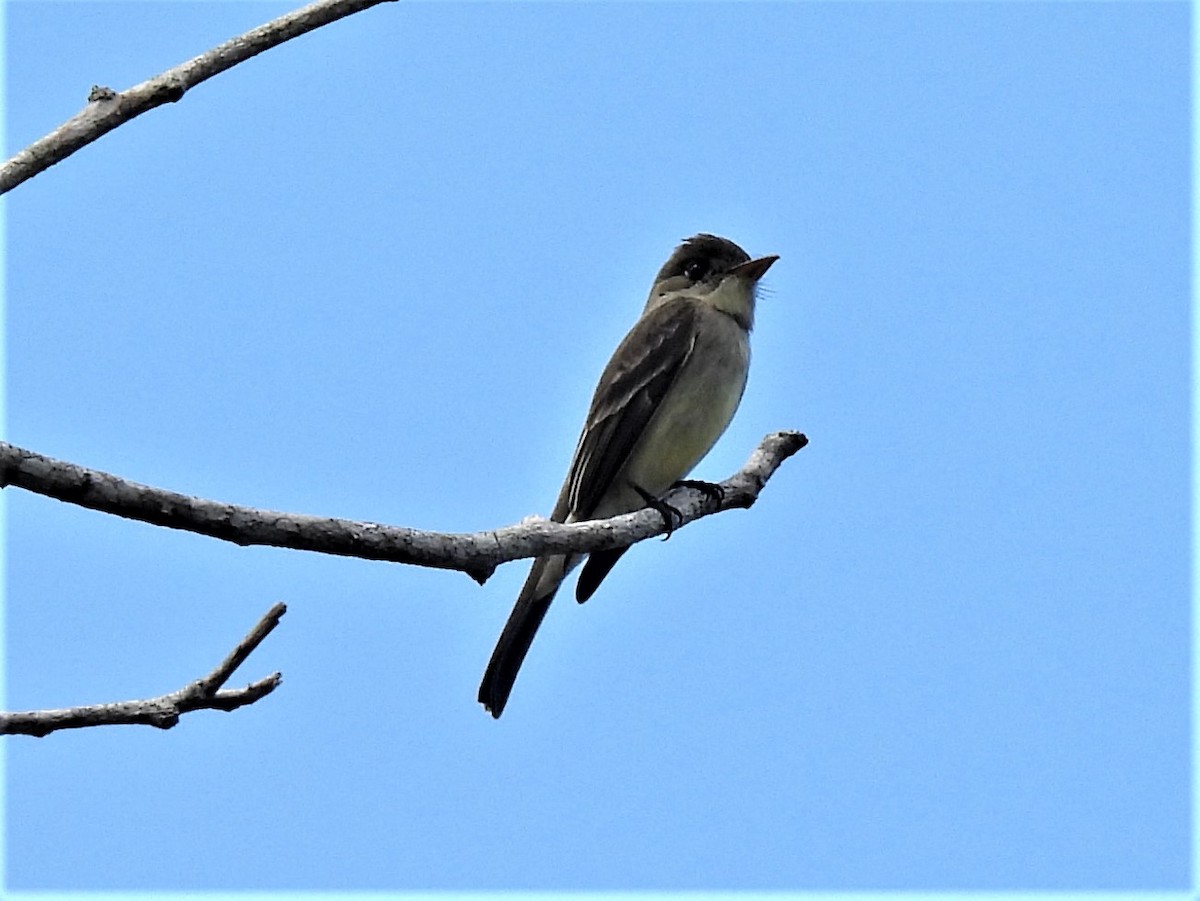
point(663, 400)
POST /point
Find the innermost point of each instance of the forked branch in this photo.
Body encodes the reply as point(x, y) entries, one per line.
point(163, 712)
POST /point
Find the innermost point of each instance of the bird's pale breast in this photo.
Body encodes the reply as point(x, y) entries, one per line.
point(698, 408)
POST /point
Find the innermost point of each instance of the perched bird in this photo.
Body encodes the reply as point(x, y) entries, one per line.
point(664, 399)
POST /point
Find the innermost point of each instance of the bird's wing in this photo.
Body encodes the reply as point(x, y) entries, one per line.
point(631, 389)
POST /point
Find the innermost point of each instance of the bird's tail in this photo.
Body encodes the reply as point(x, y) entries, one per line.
point(534, 600)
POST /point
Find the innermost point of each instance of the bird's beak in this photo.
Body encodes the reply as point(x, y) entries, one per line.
point(753, 270)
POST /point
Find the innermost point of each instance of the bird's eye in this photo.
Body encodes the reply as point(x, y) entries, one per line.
point(695, 270)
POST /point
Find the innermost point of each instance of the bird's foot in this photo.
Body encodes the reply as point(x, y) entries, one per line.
point(710, 490)
point(669, 514)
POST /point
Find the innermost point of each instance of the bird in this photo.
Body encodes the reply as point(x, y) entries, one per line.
point(667, 394)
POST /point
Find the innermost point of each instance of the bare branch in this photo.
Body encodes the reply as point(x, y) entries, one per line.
point(209, 686)
point(477, 554)
point(108, 109)
point(162, 712)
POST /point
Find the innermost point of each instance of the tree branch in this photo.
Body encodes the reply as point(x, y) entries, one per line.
point(108, 109)
point(164, 711)
point(477, 554)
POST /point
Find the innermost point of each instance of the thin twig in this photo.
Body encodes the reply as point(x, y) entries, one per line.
point(164, 711)
point(477, 554)
point(108, 109)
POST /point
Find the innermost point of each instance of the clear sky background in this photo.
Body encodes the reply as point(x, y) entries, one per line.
point(376, 272)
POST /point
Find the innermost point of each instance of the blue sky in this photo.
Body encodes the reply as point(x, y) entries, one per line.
point(375, 273)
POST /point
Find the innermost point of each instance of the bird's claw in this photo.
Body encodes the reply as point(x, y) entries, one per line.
point(710, 490)
point(666, 511)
